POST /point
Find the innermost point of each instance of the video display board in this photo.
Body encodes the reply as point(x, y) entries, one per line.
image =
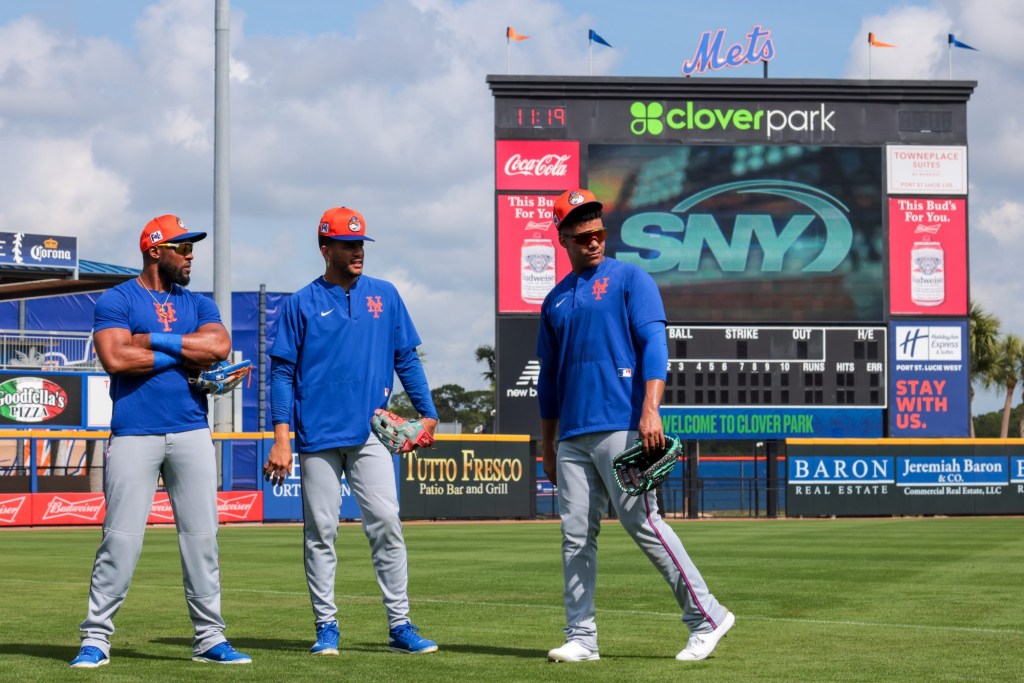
point(741, 233)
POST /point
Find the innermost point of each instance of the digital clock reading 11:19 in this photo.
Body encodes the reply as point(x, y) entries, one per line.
point(537, 117)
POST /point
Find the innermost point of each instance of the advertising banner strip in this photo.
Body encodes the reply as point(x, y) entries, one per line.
point(932, 471)
point(89, 509)
point(772, 423)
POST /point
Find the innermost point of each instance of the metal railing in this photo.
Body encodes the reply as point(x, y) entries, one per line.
point(43, 350)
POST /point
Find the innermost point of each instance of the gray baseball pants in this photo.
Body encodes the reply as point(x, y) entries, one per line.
point(370, 472)
point(189, 469)
point(585, 479)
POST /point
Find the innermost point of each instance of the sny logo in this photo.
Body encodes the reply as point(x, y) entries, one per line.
point(374, 305)
point(600, 287)
point(165, 314)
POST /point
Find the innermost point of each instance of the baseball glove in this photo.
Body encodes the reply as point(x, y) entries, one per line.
point(222, 377)
point(398, 434)
point(637, 471)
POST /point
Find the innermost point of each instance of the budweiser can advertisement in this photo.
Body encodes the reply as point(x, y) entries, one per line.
point(927, 274)
point(538, 269)
point(927, 256)
point(530, 262)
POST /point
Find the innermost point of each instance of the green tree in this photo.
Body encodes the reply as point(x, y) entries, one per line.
point(471, 409)
point(485, 353)
point(983, 338)
point(1006, 373)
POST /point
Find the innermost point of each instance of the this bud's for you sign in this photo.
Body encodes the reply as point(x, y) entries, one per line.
point(928, 394)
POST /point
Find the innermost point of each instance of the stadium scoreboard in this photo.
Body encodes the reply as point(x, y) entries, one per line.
point(776, 366)
point(808, 239)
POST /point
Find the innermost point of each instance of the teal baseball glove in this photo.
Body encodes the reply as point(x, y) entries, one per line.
point(637, 471)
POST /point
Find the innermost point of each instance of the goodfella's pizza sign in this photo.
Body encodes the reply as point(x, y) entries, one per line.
point(41, 399)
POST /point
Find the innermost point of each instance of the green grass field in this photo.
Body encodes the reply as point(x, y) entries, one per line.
point(815, 600)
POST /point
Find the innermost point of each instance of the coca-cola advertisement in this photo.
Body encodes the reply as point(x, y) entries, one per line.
point(15, 509)
point(927, 256)
point(537, 165)
point(530, 260)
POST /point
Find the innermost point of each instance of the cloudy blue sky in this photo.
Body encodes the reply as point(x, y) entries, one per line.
point(106, 120)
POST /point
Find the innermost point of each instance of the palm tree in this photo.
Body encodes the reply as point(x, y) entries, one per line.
point(1006, 372)
point(983, 336)
point(485, 352)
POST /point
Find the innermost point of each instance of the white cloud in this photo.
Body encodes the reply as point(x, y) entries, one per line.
point(54, 185)
point(1005, 222)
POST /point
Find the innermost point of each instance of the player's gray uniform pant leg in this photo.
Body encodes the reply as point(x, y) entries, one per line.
point(585, 478)
point(370, 474)
point(133, 465)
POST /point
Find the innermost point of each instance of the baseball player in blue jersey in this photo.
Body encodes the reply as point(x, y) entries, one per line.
point(603, 356)
point(338, 344)
point(148, 333)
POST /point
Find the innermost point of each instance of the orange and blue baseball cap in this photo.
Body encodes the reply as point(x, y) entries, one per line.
point(342, 223)
point(166, 228)
point(574, 202)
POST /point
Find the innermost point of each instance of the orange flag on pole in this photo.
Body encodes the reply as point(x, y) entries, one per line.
point(511, 34)
point(873, 42)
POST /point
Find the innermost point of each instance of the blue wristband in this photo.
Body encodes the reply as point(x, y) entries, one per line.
point(161, 360)
point(168, 343)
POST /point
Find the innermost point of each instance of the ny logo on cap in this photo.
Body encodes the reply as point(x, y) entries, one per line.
point(325, 227)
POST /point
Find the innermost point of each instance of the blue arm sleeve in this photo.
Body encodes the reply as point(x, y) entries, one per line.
point(547, 380)
point(654, 350)
point(410, 371)
point(282, 380)
point(547, 393)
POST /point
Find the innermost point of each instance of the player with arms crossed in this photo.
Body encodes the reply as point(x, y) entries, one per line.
point(150, 333)
point(337, 347)
point(603, 356)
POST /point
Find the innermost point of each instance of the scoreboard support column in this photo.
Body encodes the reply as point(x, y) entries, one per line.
point(692, 483)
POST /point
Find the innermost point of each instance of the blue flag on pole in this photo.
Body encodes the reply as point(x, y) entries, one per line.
point(598, 39)
point(956, 43)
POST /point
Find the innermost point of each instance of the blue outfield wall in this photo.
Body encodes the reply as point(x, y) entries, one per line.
point(725, 484)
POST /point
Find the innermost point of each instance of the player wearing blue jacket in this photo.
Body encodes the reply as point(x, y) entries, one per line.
point(148, 333)
point(603, 356)
point(337, 346)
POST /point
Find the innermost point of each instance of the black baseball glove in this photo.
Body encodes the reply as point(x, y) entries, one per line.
point(637, 471)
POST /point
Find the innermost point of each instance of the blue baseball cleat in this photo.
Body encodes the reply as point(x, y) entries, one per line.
point(89, 657)
point(326, 639)
point(405, 638)
point(222, 653)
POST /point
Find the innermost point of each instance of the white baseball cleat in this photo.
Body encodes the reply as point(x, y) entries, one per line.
point(572, 652)
point(701, 645)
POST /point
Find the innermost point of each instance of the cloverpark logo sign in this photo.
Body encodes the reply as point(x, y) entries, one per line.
point(651, 118)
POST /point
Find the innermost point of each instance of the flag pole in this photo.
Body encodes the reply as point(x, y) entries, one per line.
point(949, 50)
point(869, 59)
point(590, 55)
point(508, 49)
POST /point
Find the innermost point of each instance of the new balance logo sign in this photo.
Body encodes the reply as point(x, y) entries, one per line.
point(526, 385)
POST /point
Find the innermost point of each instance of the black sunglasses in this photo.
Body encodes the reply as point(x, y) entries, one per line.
point(180, 248)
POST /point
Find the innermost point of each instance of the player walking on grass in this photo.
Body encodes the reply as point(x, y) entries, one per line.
point(603, 356)
point(337, 347)
point(148, 332)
